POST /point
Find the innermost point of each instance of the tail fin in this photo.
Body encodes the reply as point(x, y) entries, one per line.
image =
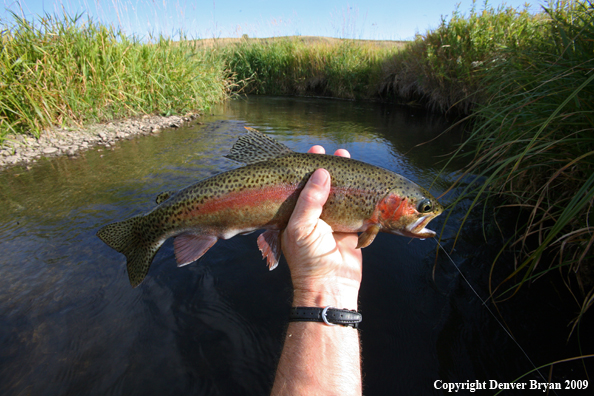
point(129, 238)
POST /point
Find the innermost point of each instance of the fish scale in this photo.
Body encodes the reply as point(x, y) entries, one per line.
point(262, 195)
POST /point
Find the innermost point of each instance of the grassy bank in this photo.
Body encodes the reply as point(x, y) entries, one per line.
point(60, 71)
point(347, 69)
point(441, 70)
point(444, 69)
point(534, 146)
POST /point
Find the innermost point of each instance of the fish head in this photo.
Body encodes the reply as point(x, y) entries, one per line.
point(407, 211)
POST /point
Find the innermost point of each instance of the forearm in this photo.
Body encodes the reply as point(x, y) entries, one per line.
point(318, 359)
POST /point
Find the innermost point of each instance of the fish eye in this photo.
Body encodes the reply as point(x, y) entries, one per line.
point(425, 206)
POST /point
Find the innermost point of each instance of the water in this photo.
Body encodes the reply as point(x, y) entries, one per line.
point(70, 323)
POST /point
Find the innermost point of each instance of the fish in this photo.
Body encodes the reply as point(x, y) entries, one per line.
point(262, 194)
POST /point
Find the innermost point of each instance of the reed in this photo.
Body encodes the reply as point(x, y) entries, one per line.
point(66, 70)
point(533, 143)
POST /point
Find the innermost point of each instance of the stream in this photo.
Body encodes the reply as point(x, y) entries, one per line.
point(71, 324)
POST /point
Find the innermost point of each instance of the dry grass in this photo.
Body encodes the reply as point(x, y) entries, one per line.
point(308, 40)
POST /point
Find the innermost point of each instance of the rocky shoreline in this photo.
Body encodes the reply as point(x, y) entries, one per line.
point(24, 149)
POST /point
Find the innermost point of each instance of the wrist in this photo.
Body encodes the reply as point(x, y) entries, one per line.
point(338, 294)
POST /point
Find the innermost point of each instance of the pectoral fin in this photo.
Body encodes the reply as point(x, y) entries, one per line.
point(190, 247)
point(269, 244)
point(368, 236)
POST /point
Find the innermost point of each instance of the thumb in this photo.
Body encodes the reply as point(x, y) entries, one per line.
point(309, 205)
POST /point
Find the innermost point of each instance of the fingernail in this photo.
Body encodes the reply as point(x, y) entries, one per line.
point(319, 177)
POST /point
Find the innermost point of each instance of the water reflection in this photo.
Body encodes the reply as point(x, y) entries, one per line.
point(71, 324)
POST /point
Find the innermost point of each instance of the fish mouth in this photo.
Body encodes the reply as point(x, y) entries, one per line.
point(418, 230)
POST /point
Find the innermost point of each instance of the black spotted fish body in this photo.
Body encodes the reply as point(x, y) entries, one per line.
point(261, 195)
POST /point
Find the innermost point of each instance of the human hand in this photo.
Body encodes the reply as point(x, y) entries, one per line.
point(326, 267)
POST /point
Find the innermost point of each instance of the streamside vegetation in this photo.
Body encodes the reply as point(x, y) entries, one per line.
point(60, 70)
point(532, 140)
point(441, 70)
point(347, 69)
point(66, 70)
point(444, 69)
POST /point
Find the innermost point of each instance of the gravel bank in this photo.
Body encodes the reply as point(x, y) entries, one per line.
point(24, 149)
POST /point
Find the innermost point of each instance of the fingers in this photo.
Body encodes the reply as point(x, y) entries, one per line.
point(342, 153)
point(309, 205)
point(317, 149)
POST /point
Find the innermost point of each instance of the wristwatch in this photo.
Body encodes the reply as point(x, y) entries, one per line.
point(329, 315)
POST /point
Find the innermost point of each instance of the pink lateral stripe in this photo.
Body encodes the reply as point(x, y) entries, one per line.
point(257, 197)
point(248, 198)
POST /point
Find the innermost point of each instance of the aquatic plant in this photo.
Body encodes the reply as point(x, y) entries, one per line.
point(59, 70)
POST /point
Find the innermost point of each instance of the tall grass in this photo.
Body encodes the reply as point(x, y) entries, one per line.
point(348, 69)
point(443, 68)
point(63, 70)
point(534, 145)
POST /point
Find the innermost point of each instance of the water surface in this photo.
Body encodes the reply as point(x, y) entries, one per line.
point(70, 323)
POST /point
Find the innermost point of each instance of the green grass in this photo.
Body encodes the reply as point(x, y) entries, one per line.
point(347, 69)
point(444, 68)
point(441, 70)
point(63, 70)
point(533, 142)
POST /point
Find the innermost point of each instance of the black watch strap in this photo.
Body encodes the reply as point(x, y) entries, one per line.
point(328, 315)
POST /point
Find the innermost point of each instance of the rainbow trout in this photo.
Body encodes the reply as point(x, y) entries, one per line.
point(261, 195)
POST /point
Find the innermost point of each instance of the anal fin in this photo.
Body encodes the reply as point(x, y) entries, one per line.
point(368, 236)
point(269, 245)
point(190, 247)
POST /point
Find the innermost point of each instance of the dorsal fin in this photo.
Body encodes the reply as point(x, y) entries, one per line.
point(254, 146)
